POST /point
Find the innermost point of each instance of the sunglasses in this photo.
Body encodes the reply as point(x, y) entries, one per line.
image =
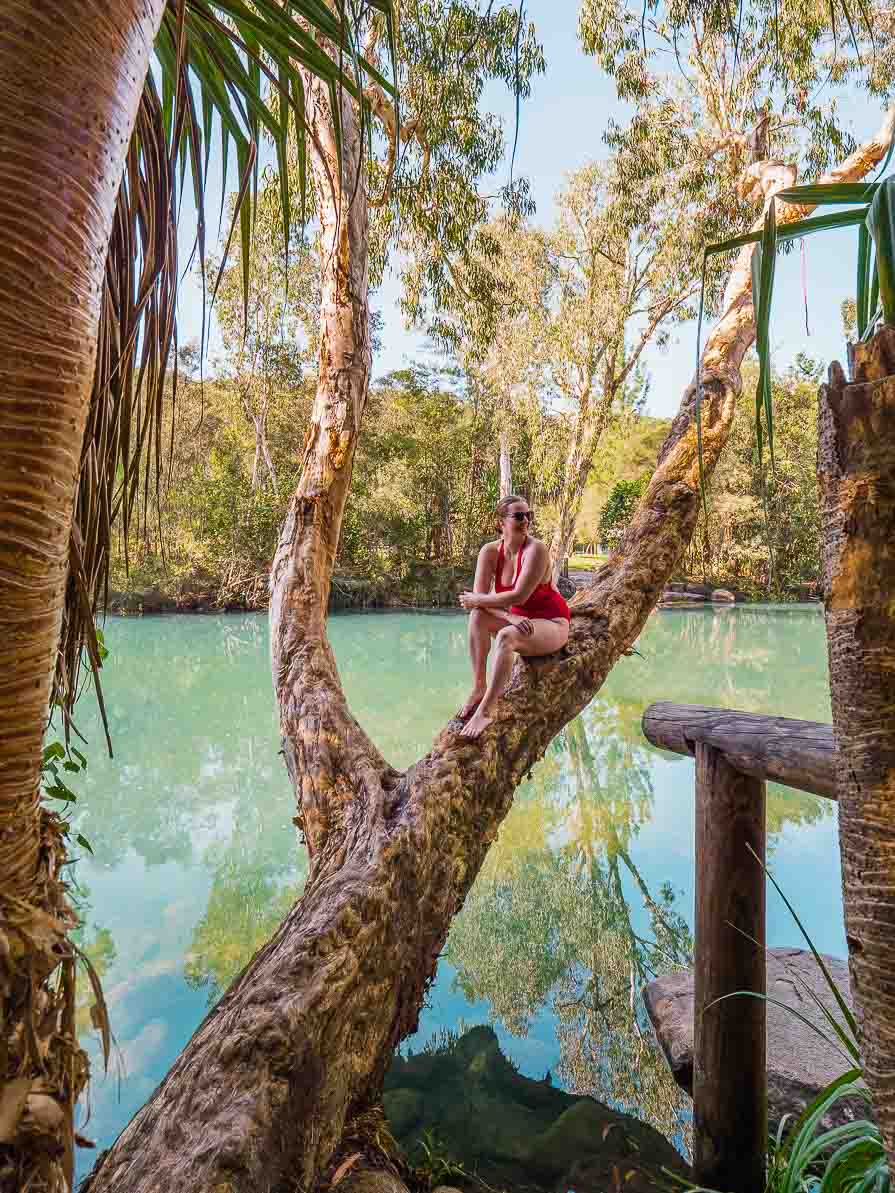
point(522, 516)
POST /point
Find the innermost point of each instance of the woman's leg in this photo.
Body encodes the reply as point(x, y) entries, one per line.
point(482, 628)
point(545, 638)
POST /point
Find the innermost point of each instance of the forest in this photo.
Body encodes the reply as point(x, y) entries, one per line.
point(320, 175)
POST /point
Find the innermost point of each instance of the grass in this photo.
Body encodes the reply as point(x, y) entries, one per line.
point(586, 563)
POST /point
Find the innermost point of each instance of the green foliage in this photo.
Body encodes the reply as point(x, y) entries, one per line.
point(762, 531)
point(620, 505)
point(424, 487)
point(436, 1166)
point(870, 207)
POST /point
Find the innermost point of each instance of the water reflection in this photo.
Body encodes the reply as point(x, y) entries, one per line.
point(586, 892)
point(549, 927)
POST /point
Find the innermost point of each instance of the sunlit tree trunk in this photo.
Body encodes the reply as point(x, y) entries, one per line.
point(506, 466)
point(297, 1049)
point(856, 467)
point(71, 77)
point(590, 423)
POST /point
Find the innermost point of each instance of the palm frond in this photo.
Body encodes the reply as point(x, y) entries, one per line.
point(870, 207)
point(216, 64)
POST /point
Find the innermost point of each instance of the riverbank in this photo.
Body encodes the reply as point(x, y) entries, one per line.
point(424, 585)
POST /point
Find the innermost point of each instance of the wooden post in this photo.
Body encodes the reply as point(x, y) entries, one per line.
point(729, 1072)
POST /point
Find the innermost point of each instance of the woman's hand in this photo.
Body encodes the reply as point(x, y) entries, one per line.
point(522, 624)
point(471, 600)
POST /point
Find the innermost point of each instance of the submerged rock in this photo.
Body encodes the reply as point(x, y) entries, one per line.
point(800, 1063)
point(515, 1132)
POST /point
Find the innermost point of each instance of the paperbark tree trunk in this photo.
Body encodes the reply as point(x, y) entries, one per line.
point(65, 127)
point(586, 435)
point(506, 466)
point(295, 1052)
point(856, 468)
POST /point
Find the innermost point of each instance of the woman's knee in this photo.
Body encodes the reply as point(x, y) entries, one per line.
point(508, 638)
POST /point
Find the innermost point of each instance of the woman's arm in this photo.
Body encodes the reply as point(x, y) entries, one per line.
point(529, 577)
point(485, 571)
point(485, 568)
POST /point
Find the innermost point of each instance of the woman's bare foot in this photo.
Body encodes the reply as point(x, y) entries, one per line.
point(478, 724)
point(475, 699)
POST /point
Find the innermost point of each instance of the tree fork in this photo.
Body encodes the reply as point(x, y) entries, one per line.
point(301, 1042)
point(856, 471)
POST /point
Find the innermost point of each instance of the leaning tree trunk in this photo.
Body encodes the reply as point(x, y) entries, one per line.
point(70, 86)
point(856, 467)
point(586, 434)
point(297, 1049)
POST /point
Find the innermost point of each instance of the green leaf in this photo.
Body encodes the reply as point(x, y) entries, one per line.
point(82, 840)
point(793, 231)
point(54, 750)
point(881, 224)
point(834, 990)
point(820, 194)
point(862, 292)
point(60, 791)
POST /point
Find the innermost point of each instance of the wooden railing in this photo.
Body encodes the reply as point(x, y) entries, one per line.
point(735, 754)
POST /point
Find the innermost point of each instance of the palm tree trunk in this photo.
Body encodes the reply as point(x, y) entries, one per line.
point(856, 467)
point(70, 85)
point(298, 1047)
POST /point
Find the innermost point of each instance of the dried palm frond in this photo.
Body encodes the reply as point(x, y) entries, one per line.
point(215, 61)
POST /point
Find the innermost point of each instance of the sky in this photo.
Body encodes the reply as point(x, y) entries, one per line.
point(562, 127)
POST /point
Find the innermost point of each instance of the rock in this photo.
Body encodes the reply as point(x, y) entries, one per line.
point(567, 587)
point(674, 596)
point(800, 1064)
point(515, 1132)
point(723, 594)
point(691, 587)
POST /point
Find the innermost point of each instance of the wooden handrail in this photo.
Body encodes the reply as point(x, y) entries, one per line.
point(801, 754)
point(735, 753)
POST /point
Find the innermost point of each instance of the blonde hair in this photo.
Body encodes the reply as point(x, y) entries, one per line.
point(503, 506)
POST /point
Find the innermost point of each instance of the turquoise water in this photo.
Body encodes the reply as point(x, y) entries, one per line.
point(587, 891)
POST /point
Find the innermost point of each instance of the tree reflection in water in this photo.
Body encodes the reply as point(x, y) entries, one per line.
point(549, 924)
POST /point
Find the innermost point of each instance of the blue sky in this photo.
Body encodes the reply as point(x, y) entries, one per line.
point(562, 127)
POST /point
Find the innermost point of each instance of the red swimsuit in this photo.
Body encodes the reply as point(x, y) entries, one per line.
point(544, 602)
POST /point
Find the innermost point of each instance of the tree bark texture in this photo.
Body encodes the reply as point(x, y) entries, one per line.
point(71, 77)
point(856, 469)
point(296, 1050)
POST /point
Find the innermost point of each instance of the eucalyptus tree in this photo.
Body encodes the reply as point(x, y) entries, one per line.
point(622, 277)
point(269, 328)
point(579, 305)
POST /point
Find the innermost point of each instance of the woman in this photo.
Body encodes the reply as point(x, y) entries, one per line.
point(524, 612)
